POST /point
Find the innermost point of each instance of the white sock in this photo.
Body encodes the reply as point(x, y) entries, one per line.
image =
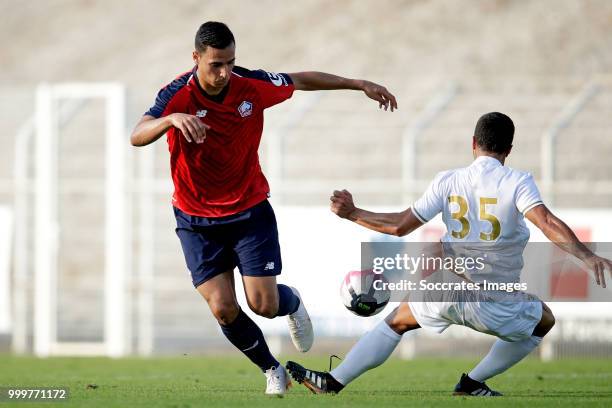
point(503, 355)
point(371, 350)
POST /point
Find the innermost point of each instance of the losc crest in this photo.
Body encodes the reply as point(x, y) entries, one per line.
point(245, 109)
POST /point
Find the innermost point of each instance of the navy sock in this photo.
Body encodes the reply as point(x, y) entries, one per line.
point(288, 302)
point(248, 338)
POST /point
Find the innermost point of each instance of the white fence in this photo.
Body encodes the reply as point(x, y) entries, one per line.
point(6, 229)
point(317, 248)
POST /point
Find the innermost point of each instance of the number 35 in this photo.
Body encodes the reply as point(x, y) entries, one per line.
point(483, 216)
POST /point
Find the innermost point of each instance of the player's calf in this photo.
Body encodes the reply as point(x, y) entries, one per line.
point(505, 354)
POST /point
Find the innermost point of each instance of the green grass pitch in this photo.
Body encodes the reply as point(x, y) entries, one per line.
point(195, 381)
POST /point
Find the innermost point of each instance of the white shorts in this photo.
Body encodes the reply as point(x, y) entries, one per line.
point(510, 321)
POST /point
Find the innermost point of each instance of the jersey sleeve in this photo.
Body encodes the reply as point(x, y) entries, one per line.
point(164, 101)
point(527, 194)
point(431, 202)
point(272, 88)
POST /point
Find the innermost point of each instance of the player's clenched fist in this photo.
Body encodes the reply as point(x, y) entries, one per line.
point(190, 126)
point(342, 203)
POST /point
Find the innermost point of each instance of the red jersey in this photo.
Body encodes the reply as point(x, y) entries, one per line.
point(222, 175)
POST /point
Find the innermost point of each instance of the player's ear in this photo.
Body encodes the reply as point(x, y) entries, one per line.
point(196, 57)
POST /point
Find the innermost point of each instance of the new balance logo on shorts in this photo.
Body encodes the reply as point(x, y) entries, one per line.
point(201, 113)
point(269, 266)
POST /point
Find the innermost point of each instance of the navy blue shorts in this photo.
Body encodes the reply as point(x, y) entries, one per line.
point(247, 240)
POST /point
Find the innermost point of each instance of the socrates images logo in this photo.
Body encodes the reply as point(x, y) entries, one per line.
point(245, 109)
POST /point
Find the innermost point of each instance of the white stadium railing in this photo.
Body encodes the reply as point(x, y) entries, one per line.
point(36, 199)
point(579, 103)
point(117, 223)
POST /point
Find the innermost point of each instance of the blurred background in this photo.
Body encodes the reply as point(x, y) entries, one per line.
point(89, 262)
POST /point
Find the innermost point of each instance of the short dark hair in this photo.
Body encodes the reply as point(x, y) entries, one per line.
point(494, 132)
point(213, 34)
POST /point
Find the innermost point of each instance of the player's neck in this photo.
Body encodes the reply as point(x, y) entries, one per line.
point(216, 95)
point(499, 157)
point(207, 88)
point(210, 90)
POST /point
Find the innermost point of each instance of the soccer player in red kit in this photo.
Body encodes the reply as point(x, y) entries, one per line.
point(213, 118)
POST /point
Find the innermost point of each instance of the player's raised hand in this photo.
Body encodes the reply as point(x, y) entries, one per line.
point(192, 127)
point(380, 94)
point(599, 266)
point(342, 203)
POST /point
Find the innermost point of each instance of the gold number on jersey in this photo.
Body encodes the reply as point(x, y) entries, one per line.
point(495, 225)
point(460, 216)
point(483, 215)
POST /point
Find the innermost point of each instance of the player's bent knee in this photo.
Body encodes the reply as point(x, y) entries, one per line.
point(548, 318)
point(265, 309)
point(403, 327)
point(397, 327)
point(224, 312)
point(263, 304)
point(545, 325)
point(550, 321)
point(401, 319)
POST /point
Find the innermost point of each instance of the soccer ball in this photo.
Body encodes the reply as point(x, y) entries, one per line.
point(360, 297)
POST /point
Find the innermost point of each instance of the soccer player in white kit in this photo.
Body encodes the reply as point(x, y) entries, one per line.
point(485, 202)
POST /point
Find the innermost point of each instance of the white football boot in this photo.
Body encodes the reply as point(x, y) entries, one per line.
point(300, 326)
point(277, 381)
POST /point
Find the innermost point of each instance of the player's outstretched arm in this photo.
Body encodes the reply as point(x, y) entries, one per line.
point(398, 224)
point(559, 233)
point(320, 81)
point(149, 129)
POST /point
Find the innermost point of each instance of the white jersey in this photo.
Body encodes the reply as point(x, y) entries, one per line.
point(483, 207)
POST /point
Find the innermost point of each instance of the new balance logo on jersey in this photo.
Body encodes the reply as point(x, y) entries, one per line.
point(269, 266)
point(201, 113)
point(245, 109)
